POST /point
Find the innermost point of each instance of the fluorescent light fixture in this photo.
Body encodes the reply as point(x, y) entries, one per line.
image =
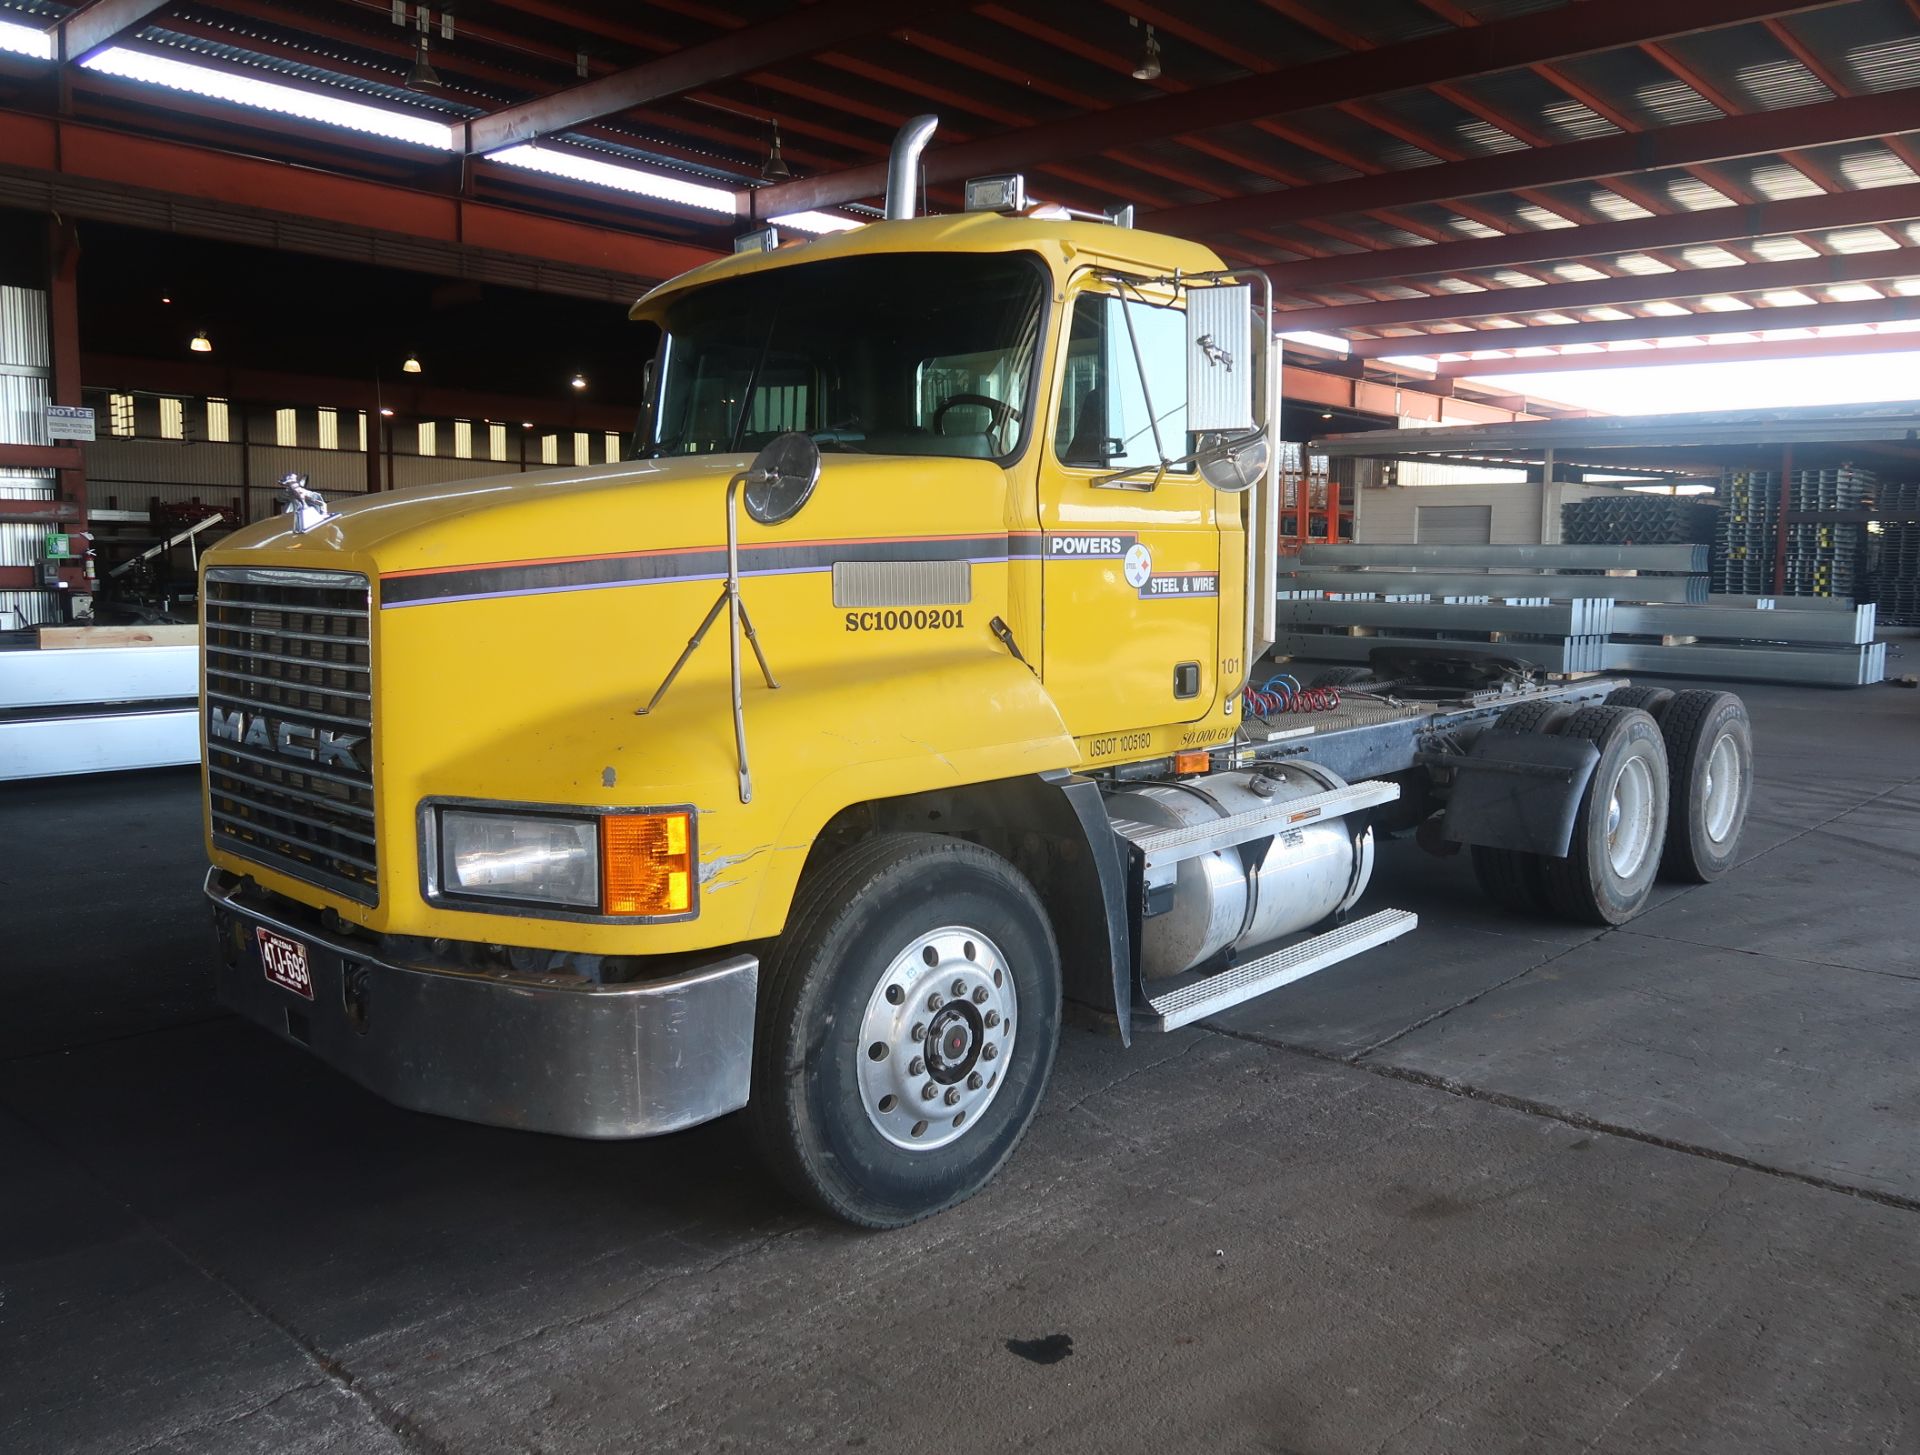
point(815, 222)
point(1317, 340)
point(1851, 293)
point(133, 65)
point(26, 40)
point(1660, 308)
point(579, 167)
point(1721, 303)
point(663, 186)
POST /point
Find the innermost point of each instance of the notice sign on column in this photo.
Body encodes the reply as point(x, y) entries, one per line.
point(69, 422)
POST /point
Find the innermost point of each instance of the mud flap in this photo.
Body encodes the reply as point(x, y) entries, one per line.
point(1517, 791)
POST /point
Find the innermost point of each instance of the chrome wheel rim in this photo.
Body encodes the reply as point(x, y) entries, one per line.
point(1630, 817)
point(936, 1038)
point(1720, 792)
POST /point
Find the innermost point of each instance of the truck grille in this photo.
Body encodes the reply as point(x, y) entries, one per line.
point(289, 723)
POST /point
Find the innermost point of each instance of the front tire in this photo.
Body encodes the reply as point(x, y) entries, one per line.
point(907, 1028)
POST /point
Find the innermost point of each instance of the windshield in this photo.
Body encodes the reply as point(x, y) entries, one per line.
point(893, 354)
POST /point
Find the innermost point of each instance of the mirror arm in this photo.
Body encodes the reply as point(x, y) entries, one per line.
point(1140, 366)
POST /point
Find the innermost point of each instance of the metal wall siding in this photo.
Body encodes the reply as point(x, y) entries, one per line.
point(328, 471)
point(129, 466)
point(23, 328)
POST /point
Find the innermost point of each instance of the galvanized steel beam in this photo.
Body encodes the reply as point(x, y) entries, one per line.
point(1543, 557)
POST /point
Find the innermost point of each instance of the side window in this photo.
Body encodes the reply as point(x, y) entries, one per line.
point(1104, 420)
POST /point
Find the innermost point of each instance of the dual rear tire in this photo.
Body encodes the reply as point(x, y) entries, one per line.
point(1667, 799)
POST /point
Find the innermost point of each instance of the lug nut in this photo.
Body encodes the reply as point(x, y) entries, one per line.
point(992, 1018)
point(989, 1052)
point(933, 1002)
point(928, 1092)
point(974, 1081)
point(953, 1094)
point(980, 995)
point(959, 989)
point(918, 1068)
point(919, 1032)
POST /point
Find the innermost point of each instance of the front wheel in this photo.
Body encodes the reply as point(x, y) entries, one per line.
point(907, 1027)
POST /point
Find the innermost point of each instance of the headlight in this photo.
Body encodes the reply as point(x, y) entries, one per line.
point(550, 860)
point(622, 864)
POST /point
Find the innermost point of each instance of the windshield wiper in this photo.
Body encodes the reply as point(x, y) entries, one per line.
point(753, 383)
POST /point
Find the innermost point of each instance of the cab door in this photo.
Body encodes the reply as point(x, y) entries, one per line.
point(1132, 569)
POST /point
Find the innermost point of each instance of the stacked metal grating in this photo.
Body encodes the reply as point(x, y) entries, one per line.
point(1824, 558)
point(1896, 574)
point(1634, 518)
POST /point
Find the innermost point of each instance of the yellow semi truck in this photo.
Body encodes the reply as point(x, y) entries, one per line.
point(984, 509)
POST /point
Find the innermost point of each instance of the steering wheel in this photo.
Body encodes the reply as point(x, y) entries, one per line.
point(998, 412)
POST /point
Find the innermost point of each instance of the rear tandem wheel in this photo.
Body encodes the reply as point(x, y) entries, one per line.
point(1512, 878)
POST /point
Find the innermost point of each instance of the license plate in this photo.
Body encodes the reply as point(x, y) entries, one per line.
point(285, 962)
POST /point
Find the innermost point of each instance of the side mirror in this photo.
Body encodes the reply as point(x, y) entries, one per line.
point(1232, 463)
point(1220, 361)
point(782, 477)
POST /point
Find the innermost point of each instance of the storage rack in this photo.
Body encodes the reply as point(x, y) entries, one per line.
point(1896, 572)
point(1824, 557)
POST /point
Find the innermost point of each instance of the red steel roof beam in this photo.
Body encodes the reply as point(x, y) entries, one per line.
point(799, 32)
point(98, 25)
point(1673, 146)
point(1640, 235)
point(1699, 325)
point(1612, 292)
point(1575, 30)
point(1759, 351)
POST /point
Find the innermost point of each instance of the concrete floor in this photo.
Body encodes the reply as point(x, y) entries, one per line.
point(1503, 1185)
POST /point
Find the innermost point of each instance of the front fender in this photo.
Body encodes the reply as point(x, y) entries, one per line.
point(943, 725)
point(826, 739)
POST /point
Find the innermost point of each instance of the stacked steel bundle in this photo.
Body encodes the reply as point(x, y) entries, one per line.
point(1633, 518)
point(1896, 576)
point(1824, 558)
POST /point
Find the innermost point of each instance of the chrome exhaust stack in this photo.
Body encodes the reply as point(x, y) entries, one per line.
point(903, 165)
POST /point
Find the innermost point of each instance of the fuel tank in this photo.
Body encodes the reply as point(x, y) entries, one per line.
point(1236, 898)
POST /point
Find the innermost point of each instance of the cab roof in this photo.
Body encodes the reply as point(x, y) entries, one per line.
point(1063, 244)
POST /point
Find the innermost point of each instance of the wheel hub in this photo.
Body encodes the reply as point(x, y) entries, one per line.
point(935, 1038)
point(1630, 828)
point(1720, 788)
point(953, 1042)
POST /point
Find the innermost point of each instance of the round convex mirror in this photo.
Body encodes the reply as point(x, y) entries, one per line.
point(1233, 468)
point(781, 477)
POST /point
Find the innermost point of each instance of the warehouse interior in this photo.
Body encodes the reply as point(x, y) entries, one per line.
point(1584, 407)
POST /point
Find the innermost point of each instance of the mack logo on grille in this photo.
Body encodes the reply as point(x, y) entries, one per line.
point(290, 739)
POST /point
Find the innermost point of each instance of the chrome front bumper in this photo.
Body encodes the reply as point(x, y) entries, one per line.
point(581, 1060)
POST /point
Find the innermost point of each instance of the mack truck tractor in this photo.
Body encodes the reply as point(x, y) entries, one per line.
point(900, 689)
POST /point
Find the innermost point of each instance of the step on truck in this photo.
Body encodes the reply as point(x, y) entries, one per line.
point(903, 686)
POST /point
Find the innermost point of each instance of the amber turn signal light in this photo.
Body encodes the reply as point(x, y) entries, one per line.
point(646, 863)
point(1191, 762)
